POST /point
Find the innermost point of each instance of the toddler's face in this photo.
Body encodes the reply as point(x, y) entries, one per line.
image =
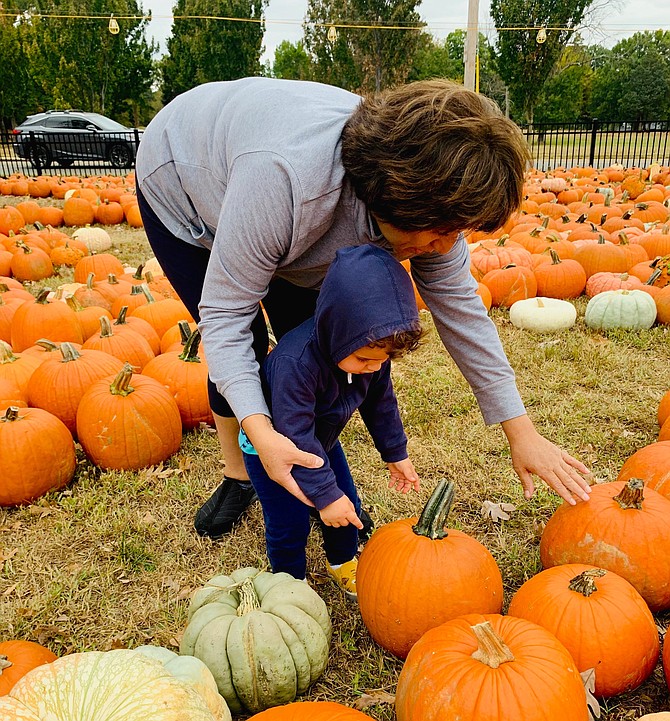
point(364, 360)
point(407, 244)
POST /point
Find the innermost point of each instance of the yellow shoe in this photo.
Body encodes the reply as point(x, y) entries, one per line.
point(345, 577)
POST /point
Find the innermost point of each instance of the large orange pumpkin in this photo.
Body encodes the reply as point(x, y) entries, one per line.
point(624, 528)
point(19, 657)
point(485, 668)
point(603, 622)
point(128, 422)
point(410, 561)
point(41, 319)
point(37, 455)
point(310, 711)
point(651, 463)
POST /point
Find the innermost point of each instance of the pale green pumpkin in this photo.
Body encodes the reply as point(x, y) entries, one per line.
point(265, 637)
point(120, 685)
point(631, 309)
point(543, 315)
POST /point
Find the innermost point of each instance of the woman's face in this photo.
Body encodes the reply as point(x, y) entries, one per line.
point(408, 243)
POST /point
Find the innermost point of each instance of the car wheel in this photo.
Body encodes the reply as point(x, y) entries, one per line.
point(120, 156)
point(40, 156)
point(65, 163)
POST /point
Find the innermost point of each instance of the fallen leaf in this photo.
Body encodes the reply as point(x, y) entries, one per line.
point(589, 681)
point(6, 555)
point(10, 590)
point(497, 511)
point(374, 698)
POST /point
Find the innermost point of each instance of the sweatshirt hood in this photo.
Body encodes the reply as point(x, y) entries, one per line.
point(366, 295)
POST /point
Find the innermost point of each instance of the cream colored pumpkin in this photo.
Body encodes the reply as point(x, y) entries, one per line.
point(543, 315)
point(115, 685)
point(661, 716)
point(193, 671)
point(97, 240)
point(265, 637)
point(152, 266)
point(632, 309)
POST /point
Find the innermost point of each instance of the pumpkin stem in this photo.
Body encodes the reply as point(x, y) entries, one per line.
point(492, 649)
point(121, 317)
point(137, 275)
point(654, 277)
point(147, 292)
point(4, 663)
point(248, 597)
point(69, 352)
point(121, 384)
point(184, 331)
point(105, 327)
point(539, 303)
point(585, 583)
point(631, 495)
point(6, 355)
point(190, 352)
point(42, 296)
point(11, 414)
point(74, 303)
point(48, 345)
point(434, 515)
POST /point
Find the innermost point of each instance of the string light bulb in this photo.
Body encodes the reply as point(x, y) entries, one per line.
point(113, 26)
point(541, 36)
point(332, 34)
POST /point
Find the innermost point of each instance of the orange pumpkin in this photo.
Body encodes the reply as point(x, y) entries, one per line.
point(37, 455)
point(560, 278)
point(41, 319)
point(127, 346)
point(128, 422)
point(185, 375)
point(489, 667)
point(623, 528)
point(509, 284)
point(652, 465)
point(19, 657)
point(603, 622)
point(410, 560)
point(100, 264)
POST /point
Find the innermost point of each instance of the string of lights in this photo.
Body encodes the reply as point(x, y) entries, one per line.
point(427, 25)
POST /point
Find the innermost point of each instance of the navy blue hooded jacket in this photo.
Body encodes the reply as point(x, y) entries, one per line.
point(366, 295)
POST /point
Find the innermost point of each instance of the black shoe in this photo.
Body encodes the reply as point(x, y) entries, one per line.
point(224, 508)
point(368, 526)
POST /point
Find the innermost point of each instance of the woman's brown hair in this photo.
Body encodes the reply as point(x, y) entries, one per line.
point(432, 155)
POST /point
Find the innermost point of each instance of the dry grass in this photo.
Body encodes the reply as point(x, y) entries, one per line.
point(111, 561)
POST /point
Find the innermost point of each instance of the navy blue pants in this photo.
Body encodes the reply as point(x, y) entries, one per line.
point(287, 520)
point(185, 265)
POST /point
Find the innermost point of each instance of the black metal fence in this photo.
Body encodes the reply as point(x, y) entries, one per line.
point(594, 143)
point(84, 152)
point(599, 144)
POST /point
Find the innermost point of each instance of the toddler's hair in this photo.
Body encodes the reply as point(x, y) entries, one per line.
point(400, 343)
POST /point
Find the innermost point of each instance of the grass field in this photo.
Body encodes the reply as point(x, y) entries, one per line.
point(112, 560)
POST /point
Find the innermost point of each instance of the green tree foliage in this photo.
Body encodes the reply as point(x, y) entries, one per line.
point(632, 81)
point(363, 59)
point(291, 62)
point(566, 94)
point(17, 94)
point(522, 62)
point(446, 60)
point(75, 61)
point(203, 50)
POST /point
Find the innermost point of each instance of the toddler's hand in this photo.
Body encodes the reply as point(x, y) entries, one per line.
point(403, 476)
point(340, 513)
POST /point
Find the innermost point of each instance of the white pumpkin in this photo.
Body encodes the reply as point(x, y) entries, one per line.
point(115, 685)
point(193, 671)
point(631, 309)
point(543, 315)
point(97, 240)
point(153, 266)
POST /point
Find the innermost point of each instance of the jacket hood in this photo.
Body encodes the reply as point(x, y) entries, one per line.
point(366, 295)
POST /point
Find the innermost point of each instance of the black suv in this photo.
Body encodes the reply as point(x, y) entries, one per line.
point(64, 136)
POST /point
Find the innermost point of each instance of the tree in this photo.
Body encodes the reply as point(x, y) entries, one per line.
point(632, 81)
point(522, 62)
point(17, 94)
point(77, 62)
point(204, 50)
point(363, 58)
point(292, 62)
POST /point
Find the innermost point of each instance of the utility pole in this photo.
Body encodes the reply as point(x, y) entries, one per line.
point(471, 43)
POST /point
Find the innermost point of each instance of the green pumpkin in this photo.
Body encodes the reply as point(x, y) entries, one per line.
point(264, 636)
point(631, 309)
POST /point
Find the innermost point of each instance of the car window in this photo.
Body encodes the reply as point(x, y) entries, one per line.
point(80, 123)
point(52, 122)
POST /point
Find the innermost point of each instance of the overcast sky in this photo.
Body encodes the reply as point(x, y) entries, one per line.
point(616, 20)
